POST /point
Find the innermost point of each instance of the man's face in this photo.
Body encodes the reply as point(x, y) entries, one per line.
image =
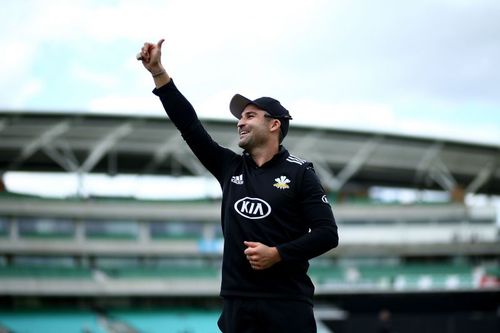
point(253, 127)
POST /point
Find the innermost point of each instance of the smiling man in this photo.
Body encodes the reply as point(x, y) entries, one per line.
point(275, 215)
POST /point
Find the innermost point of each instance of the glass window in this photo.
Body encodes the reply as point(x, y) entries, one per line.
point(30, 261)
point(4, 226)
point(177, 230)
point(110, 229)
point(45, 227)
point(117, 262)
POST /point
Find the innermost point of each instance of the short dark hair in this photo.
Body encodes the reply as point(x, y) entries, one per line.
point(284, 122)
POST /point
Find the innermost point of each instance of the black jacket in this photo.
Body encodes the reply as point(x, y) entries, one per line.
point(279, 204)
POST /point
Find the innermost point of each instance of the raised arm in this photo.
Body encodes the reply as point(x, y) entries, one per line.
point(180, 111)
point(150, 56)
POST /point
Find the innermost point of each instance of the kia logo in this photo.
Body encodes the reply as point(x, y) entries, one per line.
point(252, 208)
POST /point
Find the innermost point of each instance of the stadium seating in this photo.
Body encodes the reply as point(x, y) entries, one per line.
point(44, 272)
point(46, 321)
point(156, 321)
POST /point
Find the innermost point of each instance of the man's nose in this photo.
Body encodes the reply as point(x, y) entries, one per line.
point(241, 123)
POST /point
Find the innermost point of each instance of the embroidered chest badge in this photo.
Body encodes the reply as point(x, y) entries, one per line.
point(237, 179)
point(281, 183)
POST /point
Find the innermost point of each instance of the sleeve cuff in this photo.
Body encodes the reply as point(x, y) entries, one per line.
point(165, 88)
point(283, 257)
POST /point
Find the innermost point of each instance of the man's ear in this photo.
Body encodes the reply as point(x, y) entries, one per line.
point(275, 125)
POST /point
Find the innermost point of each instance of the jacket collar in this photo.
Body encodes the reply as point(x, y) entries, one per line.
point(279, 157)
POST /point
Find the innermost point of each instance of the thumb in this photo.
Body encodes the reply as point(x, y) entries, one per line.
point(160, 42)
point(251, 244)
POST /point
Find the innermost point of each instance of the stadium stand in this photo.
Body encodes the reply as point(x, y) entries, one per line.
point(101, 264)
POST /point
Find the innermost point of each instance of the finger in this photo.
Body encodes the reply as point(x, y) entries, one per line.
point(248, 250)
point(251, 244)
point(160, 42)
point(253, 258)
point(142, 57)
point(146, 49)
point(144, 54)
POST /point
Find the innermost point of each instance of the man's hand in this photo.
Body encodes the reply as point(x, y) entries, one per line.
point(150, 56)
point(261, 256)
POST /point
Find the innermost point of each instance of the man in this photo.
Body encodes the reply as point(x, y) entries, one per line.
point(275, 215)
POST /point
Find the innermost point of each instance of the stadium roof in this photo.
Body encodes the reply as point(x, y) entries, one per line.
point(121, 144)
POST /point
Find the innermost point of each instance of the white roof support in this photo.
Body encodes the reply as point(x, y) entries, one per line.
point(357, 161)
point(190, 161)
point(441, 174)
point(481, 178)
point(63, 142)
point(303, 147)
point(162, 152)
point(425, 164)
point(42, 140)
point(66, 159)
point(105, 145)
point(327, 177)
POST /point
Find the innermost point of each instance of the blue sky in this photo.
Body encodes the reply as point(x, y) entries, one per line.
point(428, 68)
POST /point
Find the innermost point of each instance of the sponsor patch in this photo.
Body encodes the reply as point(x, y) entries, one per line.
point(252, 208)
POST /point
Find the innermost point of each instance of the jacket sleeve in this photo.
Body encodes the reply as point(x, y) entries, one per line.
point(317, 214)
point(180, 111)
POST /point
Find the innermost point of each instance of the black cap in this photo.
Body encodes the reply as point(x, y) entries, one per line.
point(270, 105)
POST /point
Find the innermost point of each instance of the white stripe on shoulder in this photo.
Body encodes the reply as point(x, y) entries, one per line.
point(296, 162)
point(295, 159)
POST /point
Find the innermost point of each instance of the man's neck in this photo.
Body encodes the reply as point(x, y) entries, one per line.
point(261, 155)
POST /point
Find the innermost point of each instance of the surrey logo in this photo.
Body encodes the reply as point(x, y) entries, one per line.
point(237, 179)
point(252, 208)
point(281, 183)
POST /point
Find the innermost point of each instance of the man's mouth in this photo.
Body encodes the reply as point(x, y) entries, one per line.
point(243, 133)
